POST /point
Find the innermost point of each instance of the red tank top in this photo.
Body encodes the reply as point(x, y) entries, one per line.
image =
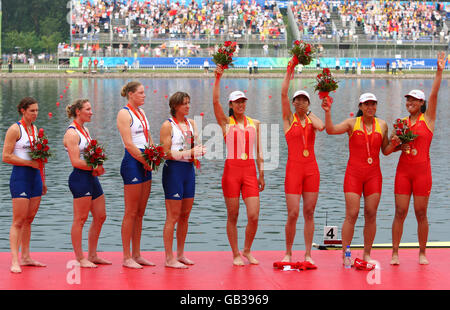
point(359, 153)
point(297, 136)
point(420, 147)
point(240, 142)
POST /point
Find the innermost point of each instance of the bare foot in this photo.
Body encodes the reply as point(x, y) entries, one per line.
point(250, 258)
point(175, 264)
point(15, 268)
point(185, 261)
point(287, 258)
point(308, 258)
point(85, 263)
point(238, 261)
point(142, 261)
point(130, 263)
point(30, 262)
point(99, 261)
point(395, 259)
point(423, 259)
point(369, 260)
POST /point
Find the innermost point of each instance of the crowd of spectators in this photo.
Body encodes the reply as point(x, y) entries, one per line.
point(383, 19)
point(407, 20)
point(312, 17)
point(175, 19)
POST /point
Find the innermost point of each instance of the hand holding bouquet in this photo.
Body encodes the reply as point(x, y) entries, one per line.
point(224, 55)
point(40, 151)
point(302, 53)
point(154, 156)
point(404, 132)
point(325, 84)
point(94, 154)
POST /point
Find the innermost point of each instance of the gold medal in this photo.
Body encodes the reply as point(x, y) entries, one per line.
point(305, 153)
point(370, 160)
point(414, 152)
point(244, 156)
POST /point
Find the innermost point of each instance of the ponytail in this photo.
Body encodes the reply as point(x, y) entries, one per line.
point(231, 112)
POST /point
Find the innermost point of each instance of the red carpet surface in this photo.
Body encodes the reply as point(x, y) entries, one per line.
point(214, 271)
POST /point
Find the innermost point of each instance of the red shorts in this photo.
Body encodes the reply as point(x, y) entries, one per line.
point(301, 177)
point(240, 176)
point(413, 179)
point(368, 182)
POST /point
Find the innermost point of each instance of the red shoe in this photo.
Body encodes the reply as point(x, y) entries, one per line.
point(280, 265)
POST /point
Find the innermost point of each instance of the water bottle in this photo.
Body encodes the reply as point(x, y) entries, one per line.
point(348, 258)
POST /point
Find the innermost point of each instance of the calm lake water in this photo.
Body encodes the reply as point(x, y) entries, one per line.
point(207, 230)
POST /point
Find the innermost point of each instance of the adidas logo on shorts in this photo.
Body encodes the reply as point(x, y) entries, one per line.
point(23, 194)
point(135, 180)
point(87, 194)
point(176, 195)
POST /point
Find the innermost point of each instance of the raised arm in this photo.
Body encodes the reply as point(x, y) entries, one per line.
point(345, 126)
point(430, 113)
point(285, 103)
point(221, 118)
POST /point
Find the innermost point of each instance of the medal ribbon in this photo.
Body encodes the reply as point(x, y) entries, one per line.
point(368, 143)
point(83, 132)
point(410, 128)
point(32, 141)
point(246, 141)
point(185, 134)
point(32, 137)
point(304, 131)
point(141, 117)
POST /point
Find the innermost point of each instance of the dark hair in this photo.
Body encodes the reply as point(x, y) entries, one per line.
point(25, 103)
point(230, 112)
point(423, 107)
point(130, 87)
point(360, 112)
point(176, 100)
point(71, 109)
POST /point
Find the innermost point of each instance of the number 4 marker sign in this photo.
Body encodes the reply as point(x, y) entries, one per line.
point(331, 235)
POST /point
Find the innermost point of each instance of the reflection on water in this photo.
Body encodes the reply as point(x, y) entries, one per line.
point(207, 230)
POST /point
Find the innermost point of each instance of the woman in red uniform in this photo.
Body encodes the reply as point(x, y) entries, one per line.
point(302, 172)
point(413, 174)
point(367, 135)
point(241, 134)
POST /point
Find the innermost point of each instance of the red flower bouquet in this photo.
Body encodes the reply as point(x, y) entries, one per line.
point(40, 151)
point(94, 154)
point(224, 55)
point(404, 132)
point(154, 156)
point(302, 52)
point(325, 84)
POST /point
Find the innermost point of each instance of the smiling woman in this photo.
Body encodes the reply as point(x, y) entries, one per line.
point(367, 136)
